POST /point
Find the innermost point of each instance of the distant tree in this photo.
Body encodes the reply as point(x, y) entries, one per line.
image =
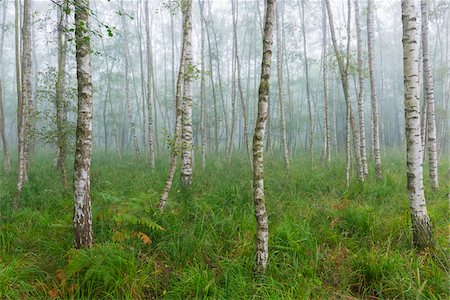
point(280, 48)
point(373, 91)
point(327, 141)
point(429, 99)
point(6, 159)
point(82, 213)
point(59, 93)
point(262, 222)
point(151, 136)
point(422, 234)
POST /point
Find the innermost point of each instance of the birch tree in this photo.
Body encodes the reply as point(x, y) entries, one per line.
point(422, 235)
point(59, 95)
point(189, 70)
point(178, 116)
point(26, 94)
point(373, 91)
point(262, 230)
point(202, 86)
point(6, 159)
point(82, 213)
point(280, 87)
point(327, 143)
point(429, 99)
point(151, 136)
point(362, 128)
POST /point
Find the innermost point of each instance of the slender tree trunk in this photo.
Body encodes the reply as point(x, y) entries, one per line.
point(280, 87)
point(151, 137)
point(6, 159)
point(311, 124)
point(82, 214)
point(60, 95)
point(178, 118)
point(187, 145)
point(25, 89)
point(373, 91)
point(363, 171)
point(127, 87)
point(422, 234)
point(327, 143)
point(343, 71)
point(241, 91)
point(262, 232)
point(144, 96)
point(429, 96)
point(202, 86)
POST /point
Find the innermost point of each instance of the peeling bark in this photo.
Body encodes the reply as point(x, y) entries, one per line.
point(422, 235)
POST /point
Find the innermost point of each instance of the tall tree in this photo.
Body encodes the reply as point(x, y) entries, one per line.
point(26, 94)
point(280, 47)
point(262, 230)
point(82, 213)
point(373, 91)
point(361, 111)
point(343, 71)
point(151, 136)
point(6, 159)
point(178, 117)
point(59, 94)
point(202, 85)
point(422, 234)
point(327, 142)
point(239, 82)
point(311, 124)
point(429, 99)
point(127, 72)
point(186, 119)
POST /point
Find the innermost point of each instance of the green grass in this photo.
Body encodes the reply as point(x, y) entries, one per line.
point(326, 241)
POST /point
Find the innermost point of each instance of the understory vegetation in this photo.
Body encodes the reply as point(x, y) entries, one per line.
point(325, 241)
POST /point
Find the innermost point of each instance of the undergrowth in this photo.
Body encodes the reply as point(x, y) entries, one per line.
point(326, 241)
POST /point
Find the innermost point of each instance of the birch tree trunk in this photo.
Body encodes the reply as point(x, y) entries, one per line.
point(60, 98)
point(362, 129)
point(241, 91)
point(186, 131)
point(127, 86)
point(280, 88)
point(422, 234)
point(327, 143)
point(373, 91)
point(429, 98)
point(25, 88)
point(151, 136)
point(202, 86)
point(6, 159)
point(177, 128)
point(343, 71)
point(262, 232)
point(82, 214)
point(311, 126)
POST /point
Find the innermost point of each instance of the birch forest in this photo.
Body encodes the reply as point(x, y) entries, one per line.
point(224, 149)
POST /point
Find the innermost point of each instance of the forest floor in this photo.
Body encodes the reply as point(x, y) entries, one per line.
point(326, 241)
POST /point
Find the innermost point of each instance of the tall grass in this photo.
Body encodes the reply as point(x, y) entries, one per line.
point(326, 241)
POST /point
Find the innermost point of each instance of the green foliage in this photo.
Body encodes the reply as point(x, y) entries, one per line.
point(325, 241)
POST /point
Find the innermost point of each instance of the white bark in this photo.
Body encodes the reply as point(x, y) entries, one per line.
point(151, 134)
point(262, 230)
point(82, 214)
point(429, 98)
point(186, 131)
point(373, 91)
point(280, 88)
point(422, 234)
